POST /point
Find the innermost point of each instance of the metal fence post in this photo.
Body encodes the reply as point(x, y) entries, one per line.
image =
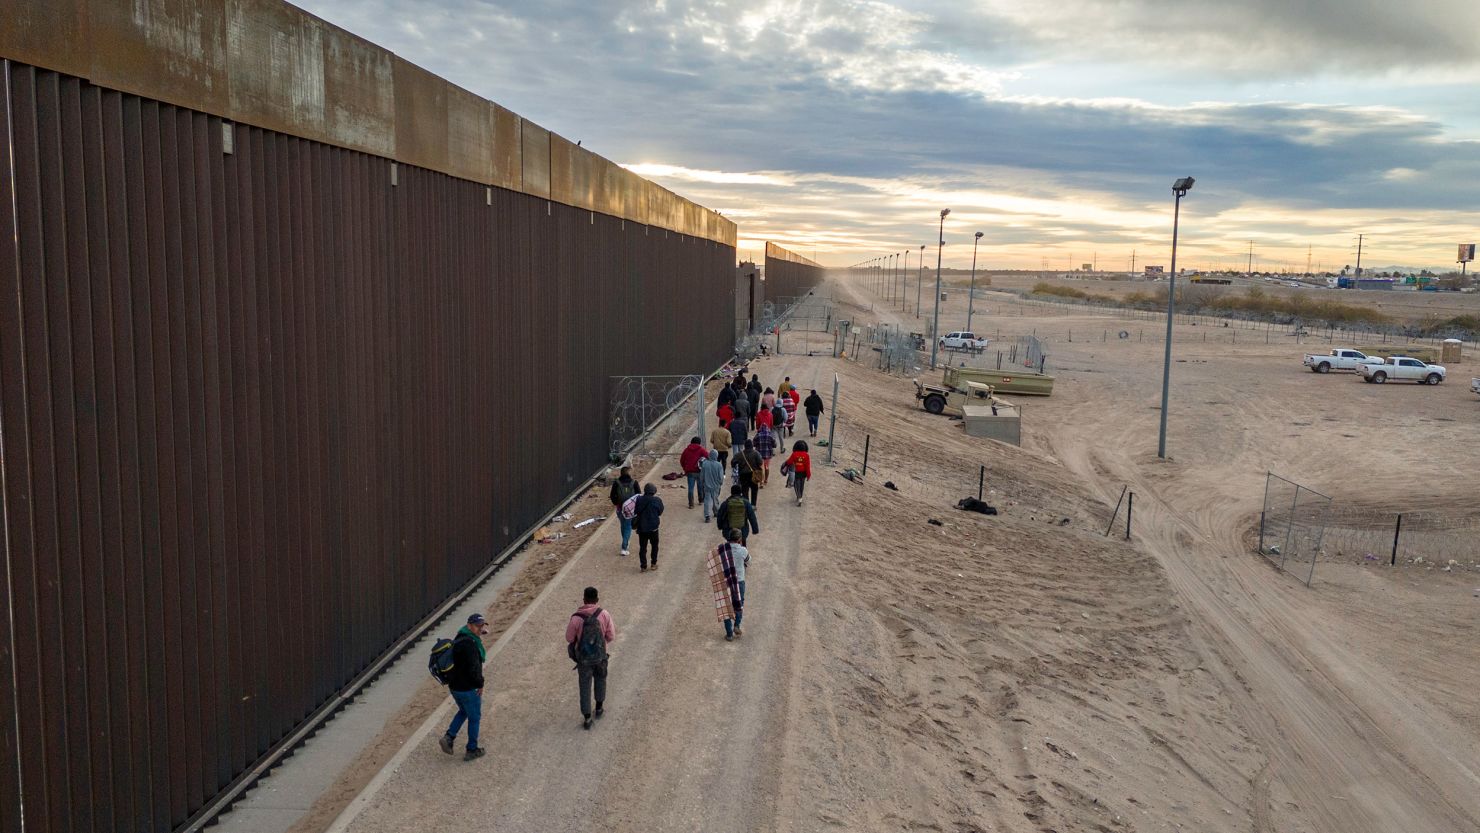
point(865, 454)
point(1130, 504)
point(1116, 513)
point(700, 397)
point(1263, 509)
point(981, 482)
point(1290, 527)
point(1397, 530)
point(832, 423)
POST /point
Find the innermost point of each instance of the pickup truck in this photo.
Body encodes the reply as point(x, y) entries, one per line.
point(1403, 368)
point(963, 341)
point(1340, 358)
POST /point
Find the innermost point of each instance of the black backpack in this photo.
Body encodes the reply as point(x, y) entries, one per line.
point(589, 649)
point(440, 663)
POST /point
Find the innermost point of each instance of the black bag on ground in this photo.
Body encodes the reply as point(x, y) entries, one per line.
point(971, 504)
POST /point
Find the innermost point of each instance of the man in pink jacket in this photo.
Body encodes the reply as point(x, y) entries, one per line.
point(587, 634)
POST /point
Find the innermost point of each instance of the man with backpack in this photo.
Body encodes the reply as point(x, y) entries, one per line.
point(624, 488)
point(748, 464)
point(587, 634)
point(737, 513)
point(465, 682)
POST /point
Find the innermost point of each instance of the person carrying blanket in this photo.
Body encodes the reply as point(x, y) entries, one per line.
point(727, 579)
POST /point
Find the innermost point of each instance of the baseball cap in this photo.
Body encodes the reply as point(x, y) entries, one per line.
point(477, 619)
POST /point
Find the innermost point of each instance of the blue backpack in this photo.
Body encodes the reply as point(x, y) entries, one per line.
point(440, 663)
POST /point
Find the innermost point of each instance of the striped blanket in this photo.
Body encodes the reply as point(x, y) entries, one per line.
point(722, 581)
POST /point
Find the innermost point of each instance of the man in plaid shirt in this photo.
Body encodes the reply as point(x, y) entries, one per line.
point(765, 443)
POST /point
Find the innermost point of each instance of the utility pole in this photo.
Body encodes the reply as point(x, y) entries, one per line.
point(1360, 238)
point(1307, 260)
point(1250, 273)
point(1133, 262)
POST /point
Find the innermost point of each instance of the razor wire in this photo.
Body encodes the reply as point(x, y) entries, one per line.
point(638, 404)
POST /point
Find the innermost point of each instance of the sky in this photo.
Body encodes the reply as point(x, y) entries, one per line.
point(841, 128)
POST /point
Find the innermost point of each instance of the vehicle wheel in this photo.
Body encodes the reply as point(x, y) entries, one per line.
point(1323, 367)
point(1379, 377)
point(935, 403)
point(1433, 379)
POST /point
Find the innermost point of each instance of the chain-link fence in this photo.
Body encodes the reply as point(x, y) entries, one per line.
point(640, 403)
point(1292, 525)
point(1446, 538)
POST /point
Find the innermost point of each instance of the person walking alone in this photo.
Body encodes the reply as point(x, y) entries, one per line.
point(465, 683)
point(689, 462)
point(646, 521)
point(737, 513)
point(711, 480)
point(727, 563)
point(813, 407)
point(587, 634)
point(623, 488)
point(799, 467)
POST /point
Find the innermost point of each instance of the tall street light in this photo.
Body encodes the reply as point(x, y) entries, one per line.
point(919, 280)
point(971, 299)
point(1180, 188)
point(940, 245)
point(904, 282)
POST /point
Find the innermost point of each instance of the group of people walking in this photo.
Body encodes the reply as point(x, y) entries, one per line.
point(753, 422)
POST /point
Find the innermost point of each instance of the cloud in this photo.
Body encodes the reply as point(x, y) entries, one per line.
point(845, 125)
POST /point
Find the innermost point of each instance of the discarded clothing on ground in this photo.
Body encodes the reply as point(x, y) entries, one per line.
point(971, 504)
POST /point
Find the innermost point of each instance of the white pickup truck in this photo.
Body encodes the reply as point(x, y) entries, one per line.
point(963, 340)
point(1340, 358)
point(1405, 369)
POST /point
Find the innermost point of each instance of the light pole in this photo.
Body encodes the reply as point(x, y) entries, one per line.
point(919, 280)
point(940, 245)
point(1180, 188)
point(971, 299)
point(904, 282)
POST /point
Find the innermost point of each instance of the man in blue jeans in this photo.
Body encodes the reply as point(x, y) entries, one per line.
point(466, 684)
point(734, 557)
point(622, 488)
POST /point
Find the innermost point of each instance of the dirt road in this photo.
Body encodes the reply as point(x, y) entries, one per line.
point(691, 720)
point(1373, 733)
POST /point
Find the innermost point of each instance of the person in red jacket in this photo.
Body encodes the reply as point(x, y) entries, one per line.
point(725, 414)
point(689, 462)
point(799, 467)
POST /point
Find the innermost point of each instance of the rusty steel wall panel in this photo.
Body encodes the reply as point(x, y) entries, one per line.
point(534, 158)
point(256, 412)
point(272, 65)
point(10, 484)
point(789, 275)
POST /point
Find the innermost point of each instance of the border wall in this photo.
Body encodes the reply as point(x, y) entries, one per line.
point(789, 276)
point(267, 400)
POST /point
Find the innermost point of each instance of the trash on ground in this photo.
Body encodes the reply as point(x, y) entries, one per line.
point(589, 521)
point(971, 504)
point(889, 484)
point(934, 522)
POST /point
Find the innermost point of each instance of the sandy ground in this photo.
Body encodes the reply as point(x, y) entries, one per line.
point(1021, 672)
